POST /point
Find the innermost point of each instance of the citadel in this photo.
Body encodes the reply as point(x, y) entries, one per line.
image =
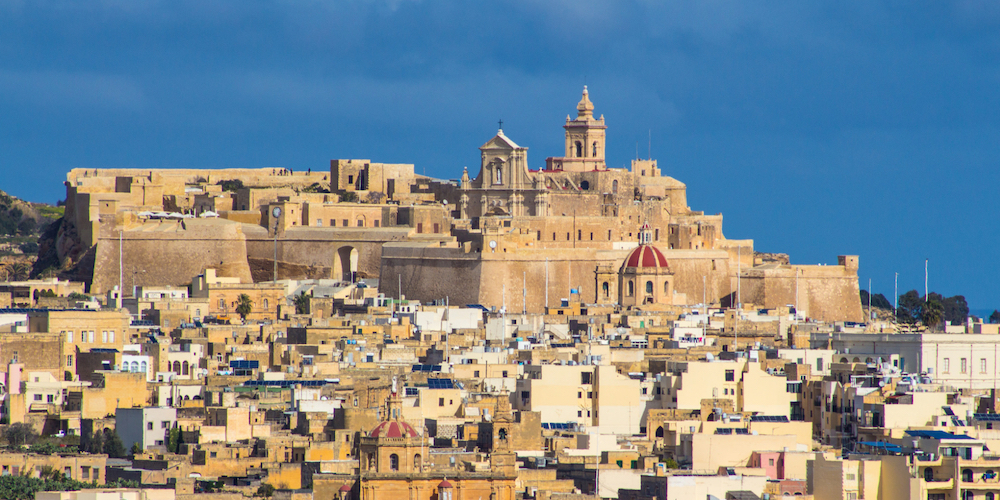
point(509, 237)
point(564, 332)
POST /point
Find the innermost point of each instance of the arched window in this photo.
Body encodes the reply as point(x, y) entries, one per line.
point(135, 366)
point(928, 474)
point(265, 304)
point(843, 360)
point(416, 462)
point(967, 475)
point(614, 187)
point(184, 368)
point(502, 434)
point(177, 367)
point(222, 302)
point(990, 495)
point(499, 176)
point(579, 149)
point(659, 431)
point(649, 287)
point(197, 313)
point(394, 462)
point(606, 289)
point(631, 288)
point(594, 153)
point(142, 367)
point(666, 287)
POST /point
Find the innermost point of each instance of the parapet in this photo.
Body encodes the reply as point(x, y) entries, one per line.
point(850, 262)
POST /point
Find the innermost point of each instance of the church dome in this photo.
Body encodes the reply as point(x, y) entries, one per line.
point(394, 429)
point(646, 256)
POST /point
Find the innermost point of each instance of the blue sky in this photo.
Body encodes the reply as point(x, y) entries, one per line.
point(816, 128)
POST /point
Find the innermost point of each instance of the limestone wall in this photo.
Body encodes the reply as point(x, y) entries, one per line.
point(169, 253)
point(826, 293)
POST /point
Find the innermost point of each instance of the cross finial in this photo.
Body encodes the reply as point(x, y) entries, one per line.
point(501, 124)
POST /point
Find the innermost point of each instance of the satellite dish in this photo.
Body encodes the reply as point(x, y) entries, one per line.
point(493, 243)
point(276, 211)
point(445, 202)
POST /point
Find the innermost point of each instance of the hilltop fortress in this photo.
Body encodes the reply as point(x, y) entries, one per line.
point(511, 236)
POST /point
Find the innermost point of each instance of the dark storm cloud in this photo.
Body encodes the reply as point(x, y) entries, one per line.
point(815, 127)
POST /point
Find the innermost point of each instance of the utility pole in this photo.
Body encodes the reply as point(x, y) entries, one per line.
point(869, 300)
point(739, 273)
point(925, 281)
point(895, 295)
point(121, 267)
point(546, 285)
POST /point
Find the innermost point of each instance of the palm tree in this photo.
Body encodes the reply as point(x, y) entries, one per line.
point(17, 271)
point(302, 303)
point(244, 306)
point(932, 314)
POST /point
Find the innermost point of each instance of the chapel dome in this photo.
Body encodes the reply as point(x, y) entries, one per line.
point(646, 256)
point(394, 429)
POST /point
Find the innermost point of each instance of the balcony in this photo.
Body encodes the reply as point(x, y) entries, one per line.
point(940, 484)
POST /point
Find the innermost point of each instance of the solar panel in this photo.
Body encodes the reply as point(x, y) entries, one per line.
point(987, 417)
point(440, 383)
point(724, 431)
point(768, 418)
point(947, 411)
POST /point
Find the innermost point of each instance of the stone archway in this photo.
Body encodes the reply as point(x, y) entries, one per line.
point(345, 264)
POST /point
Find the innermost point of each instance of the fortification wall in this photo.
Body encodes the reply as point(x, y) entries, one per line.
point(429, 272)
point(326, 247)
point(169, 253)
point(826, 293)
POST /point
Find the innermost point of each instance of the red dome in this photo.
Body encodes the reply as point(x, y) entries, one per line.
point(394, 429)
point(646, 256)
point(345, 488)
point(445, 484)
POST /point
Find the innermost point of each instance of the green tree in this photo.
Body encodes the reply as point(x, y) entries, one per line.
point(136, 449)
point(995, 316)
point(670, 463)
point(878, 300)
point(96, 443)
point(265, 490)
point(348, 197)
point(302, 303)
point(244, 306)
point(231, 185)
point(20, 434)
point(932, 313)
point(910, 307)
point(113, 446)
point(174, 440)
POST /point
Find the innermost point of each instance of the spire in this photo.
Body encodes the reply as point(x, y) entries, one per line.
point(586, 108)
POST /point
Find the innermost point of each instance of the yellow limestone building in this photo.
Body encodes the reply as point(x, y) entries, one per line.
point(573, 224)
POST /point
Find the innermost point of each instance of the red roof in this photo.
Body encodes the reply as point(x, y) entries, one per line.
point(345, 488)
point(444, 484)
point(646, 256)
point(394, 429)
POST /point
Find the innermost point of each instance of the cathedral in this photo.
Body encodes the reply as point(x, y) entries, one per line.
point(614, 235)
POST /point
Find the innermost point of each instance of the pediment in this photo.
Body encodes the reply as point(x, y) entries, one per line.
point(500, 141)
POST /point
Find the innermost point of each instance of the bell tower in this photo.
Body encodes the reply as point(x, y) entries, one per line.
point(585, 140)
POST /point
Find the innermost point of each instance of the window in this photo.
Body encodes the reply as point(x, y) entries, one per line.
point(567, 236)
point(609, 234)
point(49, 398)
point(505, 374)
point(579, 149)
point(947, 365)
point(645, 390)
point(982, 365)
point(69, 336)
point(964, 365)
point(376, 222)
point(69, 360)
point(265, 304)
point(475, 374)
point(730, 375)
point(91, 334)
point(394, 462)
point(579, 394)
point(343, 222)
point(585, 378)
point(361, 223)
point(85, 472)
point(38, 397)
point(440, 401)
point(222, 302)
point(420, 227)
point(149, 426)
point(319, 222)
point(111, 336)
point(579, 413)
point(594, 154)
point(437, 227)
point(770, 461)
point(649, 287)
point(631, 288)
point(164, 424)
